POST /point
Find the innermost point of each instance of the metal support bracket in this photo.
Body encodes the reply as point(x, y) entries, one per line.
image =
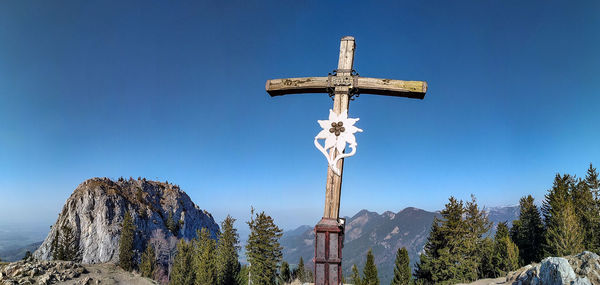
point(336, 80)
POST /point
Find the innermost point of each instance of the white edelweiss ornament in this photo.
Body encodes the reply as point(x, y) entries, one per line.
point(337, 131)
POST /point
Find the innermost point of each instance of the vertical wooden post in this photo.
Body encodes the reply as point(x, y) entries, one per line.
point(340, 104)
point(329, 233)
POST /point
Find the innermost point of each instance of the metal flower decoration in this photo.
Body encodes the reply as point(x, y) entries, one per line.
point(337, 132)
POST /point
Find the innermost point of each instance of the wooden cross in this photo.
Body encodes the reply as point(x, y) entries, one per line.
point(343, 84)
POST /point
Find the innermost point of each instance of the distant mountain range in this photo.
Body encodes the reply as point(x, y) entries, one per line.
point(16, 239)
point(17, 253)
point(384, 233)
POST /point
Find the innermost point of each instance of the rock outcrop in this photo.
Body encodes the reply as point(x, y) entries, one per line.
point(44, 272)
point(579, 269)
point(67, 273)
point(96, 209)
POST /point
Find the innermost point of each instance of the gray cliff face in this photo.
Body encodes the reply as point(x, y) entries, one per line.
point(96, 209)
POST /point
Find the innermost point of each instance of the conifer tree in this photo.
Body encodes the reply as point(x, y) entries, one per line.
point(65, 245)
point(554, 203)
point(171, 224)
point(263, 250)
point(27, 257)
point(69, 244)
point(182, 272)
point(564, 237)
point(472, 244)
point(456, 245)
point(501, 230)
point(309, 276)
point(423, 273)
point(506, 253)
point(242, 276)
point(204, 258)
point(527, 232)
point(301, 271)
point(442, 261)
point(558, 195)
point(370, 271)
point(148, 263)
point(126, 243)
point(593, 183)
point(54, 246)
point(486, 266)
point(402, 274)
point(587, 209)
point(284, 273)
point(227, 253)
point(355, 277)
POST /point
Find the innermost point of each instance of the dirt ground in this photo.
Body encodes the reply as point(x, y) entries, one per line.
point(501, 280)
point(107, 274)
point(110, 274)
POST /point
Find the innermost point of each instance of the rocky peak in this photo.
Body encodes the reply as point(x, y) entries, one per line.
point(96, 209)
point(389, 214)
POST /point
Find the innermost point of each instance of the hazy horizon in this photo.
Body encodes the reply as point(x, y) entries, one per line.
point(34, 225)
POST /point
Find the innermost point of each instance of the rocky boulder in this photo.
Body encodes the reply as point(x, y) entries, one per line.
point(44, 272)
point(96, 209)
point(556, 270)
point(67, 273)
point(579, 269)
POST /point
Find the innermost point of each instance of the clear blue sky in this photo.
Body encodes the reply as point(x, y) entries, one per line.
point(174, 90)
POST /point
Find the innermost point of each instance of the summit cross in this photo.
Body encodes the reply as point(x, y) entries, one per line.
point(343, 84)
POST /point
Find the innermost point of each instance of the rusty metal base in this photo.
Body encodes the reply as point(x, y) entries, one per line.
point(329, 240)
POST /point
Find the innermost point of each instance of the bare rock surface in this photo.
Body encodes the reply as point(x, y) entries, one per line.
point(67, 272)
point(578, 269)
point(96, 209)
point(44, 272)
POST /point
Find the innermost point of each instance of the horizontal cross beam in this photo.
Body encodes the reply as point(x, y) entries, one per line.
point(365, 85)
